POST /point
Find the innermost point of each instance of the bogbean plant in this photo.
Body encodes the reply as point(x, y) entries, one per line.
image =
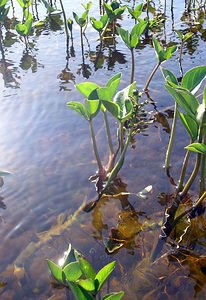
point(192, 114)
point(119, 104)
point(77, 274)
point(24, 28)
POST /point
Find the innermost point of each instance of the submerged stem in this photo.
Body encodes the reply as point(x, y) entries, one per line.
point(171, 140)
point(151, 76)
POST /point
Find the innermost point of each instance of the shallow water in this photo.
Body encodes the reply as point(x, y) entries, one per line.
point(47, 148)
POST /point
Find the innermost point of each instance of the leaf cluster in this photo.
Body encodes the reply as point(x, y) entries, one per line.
point(77, 274)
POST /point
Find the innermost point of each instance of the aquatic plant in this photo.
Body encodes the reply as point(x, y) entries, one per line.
point(184, 38)
point(191, 81)
point(132, 39)
point(136, 12)
point(162, 55)
point(121, 107)
point(113, 11)
point(77, 274)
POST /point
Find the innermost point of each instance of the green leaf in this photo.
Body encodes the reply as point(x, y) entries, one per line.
point(103, 274)
point(78, 107)
point(190, 124)
point(79, 293)
point(197, 147)
point(187, 36)
point(21, 29)
point(92, 107)
point(113, 84)
point(96, 24)
point(86, 268)
point(87, 284)
point(72, 271)
point(185, 99)
point(193, 78)
point(122, 99)
point(139, 28)
point(114, 296)
point(86, 88)
point(76, 18)
point(112, 107)
point(56, 271)
point(125, 36)
point(168, 75)
point(136, 12)
point(158, 48)
point(169, 52)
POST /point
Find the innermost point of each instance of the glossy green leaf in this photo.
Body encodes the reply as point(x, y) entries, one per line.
point(69, 256)
point(56, 271)
point(122, 99)
point(96, 24)
point(87, 284)
point(197, 147)
point(24, 3)
point(169, 76)
point(72, 271)
point(3, 3)
point(125, 36)
point(78, 107)
point(21, 29)
point(187, 36)
point(76, 18)
point(87, 6)
point(113, 84)
point(79, 293)
point(193, 78)
point(169, 52)
point(103, 274)
point(158, 48)
point(86, 268)
point(185, 99)
point(139, 28)
point(112, 107)
point(114, 296)
point(86, 88)
point(92, 107)
point(136, 12)
point(190, 124)
point(28, 22)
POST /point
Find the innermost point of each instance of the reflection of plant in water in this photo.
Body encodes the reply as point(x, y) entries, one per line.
point(77, 274)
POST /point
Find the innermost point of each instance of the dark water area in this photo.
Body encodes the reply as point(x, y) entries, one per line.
point(48, 150)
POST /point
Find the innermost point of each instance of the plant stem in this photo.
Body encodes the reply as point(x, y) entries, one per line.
point(151, 76)
point(171, 140)
point(196, 167)
point(118, 165)
point(99, 163)
point(183, 171)
point(121, 135)
point(133, 65)
point(109, 138)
